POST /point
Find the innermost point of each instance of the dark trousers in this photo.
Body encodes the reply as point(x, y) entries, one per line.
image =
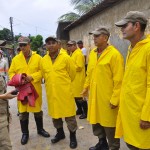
point(25, 115)
point(82, 105)
point(71, 123)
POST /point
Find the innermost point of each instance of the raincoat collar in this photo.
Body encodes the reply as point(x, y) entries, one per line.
point(105, 51)
point(144, 40)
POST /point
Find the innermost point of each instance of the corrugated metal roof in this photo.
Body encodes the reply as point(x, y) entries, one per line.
point(97, 9)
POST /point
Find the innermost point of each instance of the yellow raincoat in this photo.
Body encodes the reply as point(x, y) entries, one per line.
point(58, 77)
point(32, 68)
point(135, 97)
point(104, 77)
point(78, 82)
point(64, 51)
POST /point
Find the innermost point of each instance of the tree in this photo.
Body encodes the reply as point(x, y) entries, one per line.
point(17, 37)
point(36, 42)
point(71, 16)
point(81, 6)
point(5, 34)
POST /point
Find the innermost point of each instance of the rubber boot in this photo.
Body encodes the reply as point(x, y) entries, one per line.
point(25, 131)
point(85, 109)
point(101, 145)
point(59, 135)
point(39, 124)
point(73, 140)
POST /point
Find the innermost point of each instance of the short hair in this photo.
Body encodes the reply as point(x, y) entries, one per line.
point(142, 26)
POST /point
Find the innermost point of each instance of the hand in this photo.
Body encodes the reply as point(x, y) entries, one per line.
point(29, 78)
point(113, 106)
point(144, 124)
point(84, 93)
point(8, 95)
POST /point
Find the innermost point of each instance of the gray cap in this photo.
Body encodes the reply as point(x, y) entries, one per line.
point(23, 40)
point(71, 42)
point(132, 16)
point(51, 38)
point(101, 30)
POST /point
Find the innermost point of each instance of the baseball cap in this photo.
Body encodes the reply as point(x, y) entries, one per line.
point(101, 30)
point(132, 16)
point(23, 40)
point(71, 42)
point(79, 42)
point(51, 38)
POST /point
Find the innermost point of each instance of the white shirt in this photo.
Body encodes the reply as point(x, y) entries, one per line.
point(3, 67)
point(84, 51)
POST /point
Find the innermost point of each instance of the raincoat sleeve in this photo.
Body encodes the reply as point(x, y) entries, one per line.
point(88, 72)
point(79, 63)
point(117, 68)
point(37, 76)
point(145, 116)
point(41, 68)
point(12, 71)
point(71, 69)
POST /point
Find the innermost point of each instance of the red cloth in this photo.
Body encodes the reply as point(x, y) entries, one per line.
point(27, 92)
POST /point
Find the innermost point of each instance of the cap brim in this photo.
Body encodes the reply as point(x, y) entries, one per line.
point(23, 42)
point(121, 23)
point(69, 43)
point(50, 39)
point(95, 33)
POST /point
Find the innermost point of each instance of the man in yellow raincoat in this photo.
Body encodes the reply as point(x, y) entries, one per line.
point(28, 62)
point(104, 78)
point(59, 71)
point(133, 122)
point(78, 82)
point(61, 48)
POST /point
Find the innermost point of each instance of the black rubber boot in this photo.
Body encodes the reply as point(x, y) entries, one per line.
point(25, 131)
point(73, 140)
point(40, 130)
point(85, 109)
point(59, 135)
point(101, 145)
point(79, 108)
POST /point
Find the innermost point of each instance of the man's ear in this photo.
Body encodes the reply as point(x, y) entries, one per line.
point(137, 26)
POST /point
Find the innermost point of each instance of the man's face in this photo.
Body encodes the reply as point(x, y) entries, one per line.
point(80, 45)
point(25, 48)
point(128, 30)
point(52, 46)
point(99, 39)
point(71, 48)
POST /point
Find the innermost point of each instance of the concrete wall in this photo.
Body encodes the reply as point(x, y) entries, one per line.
point(108, 17)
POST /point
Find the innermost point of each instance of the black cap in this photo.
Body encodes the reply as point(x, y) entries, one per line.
point(80, 42)
point(51, 38)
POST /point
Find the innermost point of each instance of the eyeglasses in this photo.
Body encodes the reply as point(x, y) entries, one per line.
point(22, 45)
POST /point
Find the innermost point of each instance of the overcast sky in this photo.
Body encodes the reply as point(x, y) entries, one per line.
point(33, 16)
